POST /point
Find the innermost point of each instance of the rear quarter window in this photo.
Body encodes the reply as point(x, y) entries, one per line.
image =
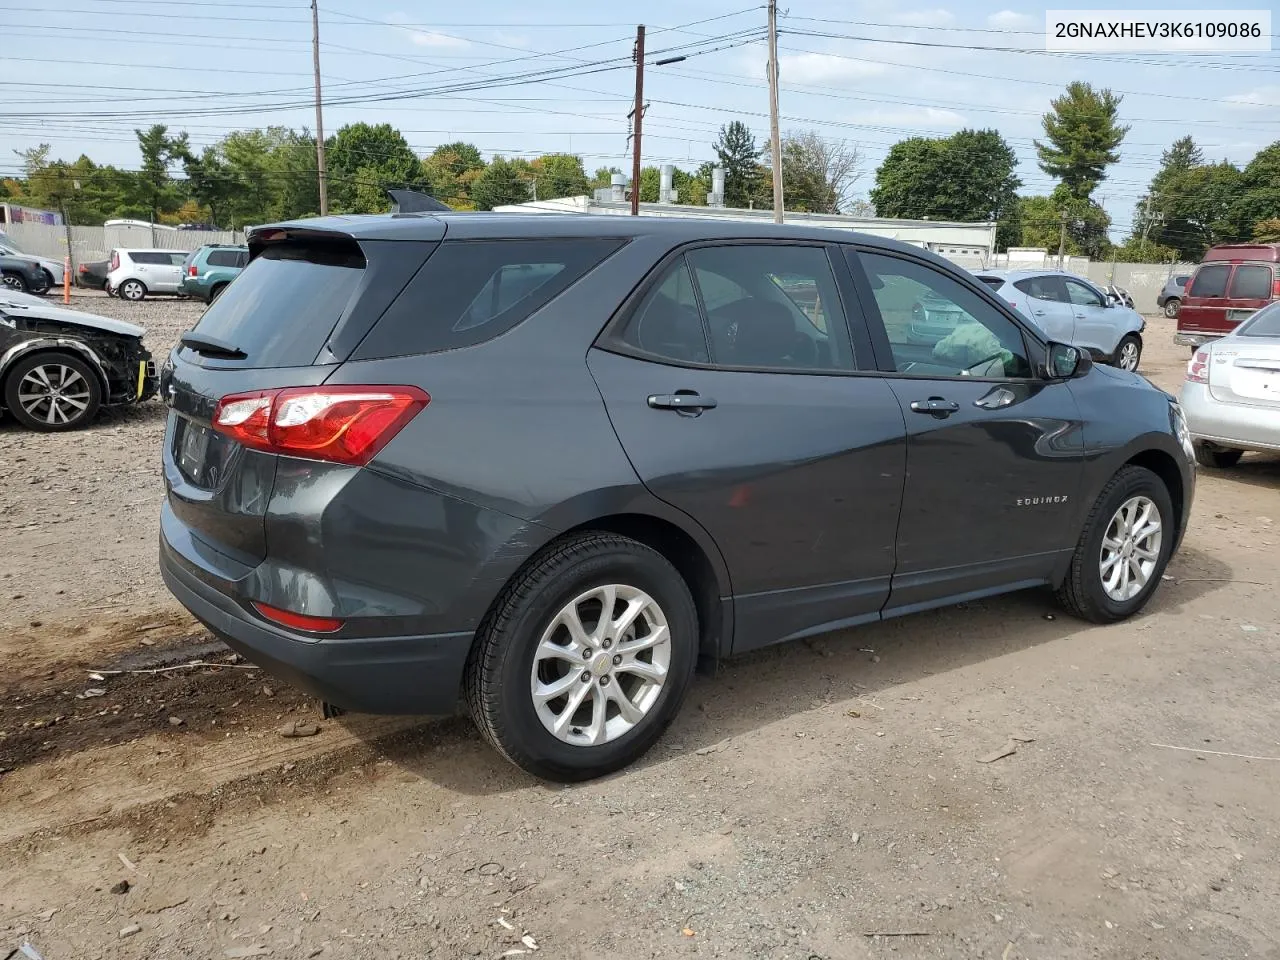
point(1251, 283)
point(1211, 281)
point(470, 291)
point(224, 258)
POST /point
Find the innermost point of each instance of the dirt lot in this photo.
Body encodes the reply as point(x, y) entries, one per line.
point(822, 800)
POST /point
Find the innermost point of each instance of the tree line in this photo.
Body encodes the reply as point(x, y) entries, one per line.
point(269, 174)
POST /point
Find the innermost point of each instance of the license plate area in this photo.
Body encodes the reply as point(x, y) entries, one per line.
point(1239, 315)
point(202, 455)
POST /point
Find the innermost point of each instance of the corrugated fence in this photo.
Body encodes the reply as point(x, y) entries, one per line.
point(96, 243)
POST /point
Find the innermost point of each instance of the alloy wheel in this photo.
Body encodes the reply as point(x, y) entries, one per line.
point(1130, 548)
point(1129, 356)
point(13, 282)
point(54, 393)
point(601, 665)
point(131, 290)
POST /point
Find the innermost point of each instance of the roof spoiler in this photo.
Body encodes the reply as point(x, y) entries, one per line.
point(411, 201)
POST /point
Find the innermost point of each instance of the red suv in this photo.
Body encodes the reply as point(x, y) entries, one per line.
point(1231, 283)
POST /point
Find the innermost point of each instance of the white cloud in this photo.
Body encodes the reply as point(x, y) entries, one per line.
point(438, 41)
point(923, 18)
point(1010, 20)
point(1259, 98)
point(929, 117)
point(821, 68)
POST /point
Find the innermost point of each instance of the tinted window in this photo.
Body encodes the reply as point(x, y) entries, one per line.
point(1043, 288)
point(938, 327)
point(281, 310)
point(1181, 281)
point(176, 259)
point(149, 258)
point(1251, 283)
point(667, 324)
point(772, 306)
point(1210, 281)
point(470, 291)
point(224, 258)
point(242, 259)
point(1083, 295)
point(1264, 323)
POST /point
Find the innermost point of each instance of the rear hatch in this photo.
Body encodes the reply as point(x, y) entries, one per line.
point(1246, 368)
point(1221, 295)
point(293, 315)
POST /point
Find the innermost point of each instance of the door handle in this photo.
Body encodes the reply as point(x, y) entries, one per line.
point(1039, 313)
point(681, 402)
point(936, 406)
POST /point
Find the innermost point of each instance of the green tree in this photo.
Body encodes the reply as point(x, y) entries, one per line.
point(1087, 224)
point(156, 189)
point(1267, 231)
point(1082, 136)
point(1259, 191)
point(650, 184)
point(558, 175)
point(1138, 249)
point(362, 160)
point(211, 183)
point(968, 176)
point(1151, 217)
point(451, 170)
point(502, 182)
point(817, 175)
point(737, 152)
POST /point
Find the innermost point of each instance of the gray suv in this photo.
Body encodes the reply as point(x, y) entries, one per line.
point(547, 465)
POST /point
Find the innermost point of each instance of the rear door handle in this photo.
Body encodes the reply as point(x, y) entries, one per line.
point(936, 406)
point(692, 402)
point(1039, 313)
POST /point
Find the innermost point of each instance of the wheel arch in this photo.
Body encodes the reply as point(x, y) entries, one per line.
point(55, 345)
point(1165, 466)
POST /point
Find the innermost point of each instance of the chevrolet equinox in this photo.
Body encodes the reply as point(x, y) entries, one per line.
point(545, 465)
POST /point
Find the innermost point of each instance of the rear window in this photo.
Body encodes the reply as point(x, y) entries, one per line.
point(283, 307)
point(224, 258)
point(1251, 283)
point(470, 291)
point(1211, 281)
point(1264, 323)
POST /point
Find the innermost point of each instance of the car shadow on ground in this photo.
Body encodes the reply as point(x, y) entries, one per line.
point(1256, 469)
point(778, 682)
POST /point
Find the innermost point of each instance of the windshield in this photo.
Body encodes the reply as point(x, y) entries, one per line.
point(1264, 323)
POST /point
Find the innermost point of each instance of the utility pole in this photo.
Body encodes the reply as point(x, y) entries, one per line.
point(774, 141)
point(1062, 240)
point(637, 113)
point(315, 61)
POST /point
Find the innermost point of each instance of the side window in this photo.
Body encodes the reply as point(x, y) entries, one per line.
point(175, 259)
point(224, 258)
point(1043, 288)
point(242, 259)
point(470, 291)
point(1083, 296)
point(149, 259)
point(1251, 283)
point(1210, 281)
point(937, 327)
point(772, 306)
point(667, 324)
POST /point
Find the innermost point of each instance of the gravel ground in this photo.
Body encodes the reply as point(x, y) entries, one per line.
point(821, 800)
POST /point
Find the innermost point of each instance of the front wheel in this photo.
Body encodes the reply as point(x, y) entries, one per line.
point(1129, 352)
point(585, 658)
point(1171, 308)
point(14, 281)
point(132, 290)
point(52, 392)
point(1220, 458)
point(1123, 550)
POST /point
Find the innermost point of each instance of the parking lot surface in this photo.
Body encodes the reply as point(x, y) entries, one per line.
point(825, 799)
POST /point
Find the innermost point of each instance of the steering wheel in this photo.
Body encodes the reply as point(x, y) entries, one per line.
point(968, 371)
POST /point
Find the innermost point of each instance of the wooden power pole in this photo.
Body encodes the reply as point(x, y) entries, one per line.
point(315, 61)
point(775, 141)
point(637, 119)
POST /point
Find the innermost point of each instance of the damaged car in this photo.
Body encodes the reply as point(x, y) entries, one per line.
point(58, 367)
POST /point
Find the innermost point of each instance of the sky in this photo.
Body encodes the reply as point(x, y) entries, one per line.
point(82, 76)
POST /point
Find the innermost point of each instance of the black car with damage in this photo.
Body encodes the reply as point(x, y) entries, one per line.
point(58, 367)
point(23, 275)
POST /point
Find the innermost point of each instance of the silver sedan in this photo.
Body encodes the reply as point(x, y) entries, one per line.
point(1231, 396)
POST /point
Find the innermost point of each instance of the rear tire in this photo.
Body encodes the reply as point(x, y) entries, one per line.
point(1171, 308)
point(525, 650)
point(216, 292)
point(1129, 353)
point(1093, 589)
point(1219, 458)
point(14, 281)
point(52, 392)
point(133, 290)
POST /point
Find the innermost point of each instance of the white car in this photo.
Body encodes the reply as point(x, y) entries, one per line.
point(1070, 309)
point(1231, 396)
point(54, 268)
point(136, 273)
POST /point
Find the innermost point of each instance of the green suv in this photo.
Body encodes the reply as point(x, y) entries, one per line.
point(208, 271)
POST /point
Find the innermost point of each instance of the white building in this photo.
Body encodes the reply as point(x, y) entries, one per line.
point(967, 244)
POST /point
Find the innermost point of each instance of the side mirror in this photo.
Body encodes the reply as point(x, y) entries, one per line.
point(1063, 362)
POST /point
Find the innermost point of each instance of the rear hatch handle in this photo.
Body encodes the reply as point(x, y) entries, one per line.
point(212, 346)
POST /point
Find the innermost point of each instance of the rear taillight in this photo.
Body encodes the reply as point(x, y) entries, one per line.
point(115, 261)
point(191, 270)
point(1275, 288)
point(298, 621)
point(1198, 368)
point(1186, 290)
point(340, 424)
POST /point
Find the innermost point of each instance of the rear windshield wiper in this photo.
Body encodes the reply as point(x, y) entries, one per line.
point(212, 346)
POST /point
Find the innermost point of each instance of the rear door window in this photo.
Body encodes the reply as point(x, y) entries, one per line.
point(149, 258)
point(224, 258)
point(1044, 288)
point(283, 307)
point(1211, 281)
point(471, 291)
point(1082, 295)
point(1250, 283)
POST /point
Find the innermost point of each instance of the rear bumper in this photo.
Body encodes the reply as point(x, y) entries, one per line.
point(1229, 424)
point(1196, 339)
point(399, 674)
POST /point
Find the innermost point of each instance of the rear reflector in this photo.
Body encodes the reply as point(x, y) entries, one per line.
point(340, 424)
point(1198, 368)
point(298, 621)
